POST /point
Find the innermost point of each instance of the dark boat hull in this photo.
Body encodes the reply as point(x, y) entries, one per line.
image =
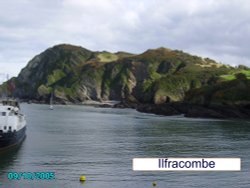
point(12, 138)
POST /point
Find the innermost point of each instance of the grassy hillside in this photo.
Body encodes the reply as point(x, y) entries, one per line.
point(76, 74)
point(230, 92)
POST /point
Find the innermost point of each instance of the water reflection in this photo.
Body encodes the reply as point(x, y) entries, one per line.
point(235, 130)
point(191, 138)
point(8, 157)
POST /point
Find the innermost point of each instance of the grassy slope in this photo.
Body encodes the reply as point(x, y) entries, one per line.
point(153, 76)
point(232, 76)
point(230, 92)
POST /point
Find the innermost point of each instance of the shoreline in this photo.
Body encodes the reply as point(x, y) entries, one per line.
point(167, 109)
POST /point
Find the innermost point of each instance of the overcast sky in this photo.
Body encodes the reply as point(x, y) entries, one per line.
point(219, 29)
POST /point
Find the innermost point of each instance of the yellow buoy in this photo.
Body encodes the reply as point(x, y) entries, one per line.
point(154, 183)
point(82, 178)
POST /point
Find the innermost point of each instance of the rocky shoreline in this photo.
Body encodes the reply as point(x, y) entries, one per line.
point(169, 109)
point(191, 110)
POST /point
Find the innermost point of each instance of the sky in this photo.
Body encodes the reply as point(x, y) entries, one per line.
point(218, 29)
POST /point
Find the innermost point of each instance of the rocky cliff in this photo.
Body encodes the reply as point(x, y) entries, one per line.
point(157, 76)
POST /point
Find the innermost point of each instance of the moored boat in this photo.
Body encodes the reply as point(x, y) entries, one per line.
point(12, 124)
point(51, 102)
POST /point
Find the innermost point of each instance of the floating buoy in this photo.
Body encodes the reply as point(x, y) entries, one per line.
point(154, 183)
point(82, 178)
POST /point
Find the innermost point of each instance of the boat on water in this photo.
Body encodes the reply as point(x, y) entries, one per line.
point(12, 124)
point(51, 102)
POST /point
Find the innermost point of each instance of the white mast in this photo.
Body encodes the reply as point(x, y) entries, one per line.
point(51, 101)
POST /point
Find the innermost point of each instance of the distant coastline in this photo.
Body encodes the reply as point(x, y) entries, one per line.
point(168, 109)
point(161, 81)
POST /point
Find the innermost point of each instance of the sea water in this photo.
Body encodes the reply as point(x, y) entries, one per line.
point(100, 144)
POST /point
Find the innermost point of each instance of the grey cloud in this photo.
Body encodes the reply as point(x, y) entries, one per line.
point(217, 29)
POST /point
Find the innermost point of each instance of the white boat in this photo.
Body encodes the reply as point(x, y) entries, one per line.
point(12, 124)
point(51, 102)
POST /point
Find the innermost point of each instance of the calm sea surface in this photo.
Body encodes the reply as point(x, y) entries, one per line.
point(101, 143)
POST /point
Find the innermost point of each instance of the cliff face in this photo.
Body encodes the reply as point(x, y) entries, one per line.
point(233, 92)
point(50, 70)
point(75, 74)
